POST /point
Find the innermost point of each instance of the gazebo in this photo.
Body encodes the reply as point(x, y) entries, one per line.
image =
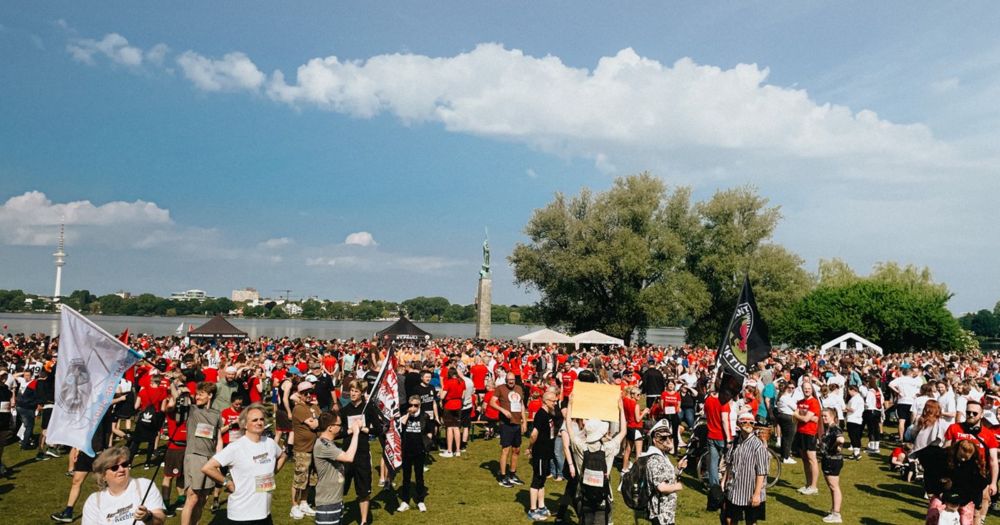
point(217, 328)
point(402, 330)
point(852, 341)
point(545, 336)
point(594, 337)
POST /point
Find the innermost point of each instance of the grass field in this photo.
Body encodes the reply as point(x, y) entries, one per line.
point(463, 490)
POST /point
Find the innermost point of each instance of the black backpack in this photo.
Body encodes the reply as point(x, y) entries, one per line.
point(594, 490)
point(635, 488)
point(147, 416)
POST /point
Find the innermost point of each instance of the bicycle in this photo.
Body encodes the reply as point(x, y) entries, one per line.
point(774, 460)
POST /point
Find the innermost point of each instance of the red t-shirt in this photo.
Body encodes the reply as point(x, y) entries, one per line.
point(255, 396)
point(278, 376)
point(230, 415)
point(567, 378)
point(454, 388)
point(809, 404)
point(479, 373)
point(715, 418)
point(630, 421)
point(152, 396)
point(671, 402)
point(491, 413)
point(179, 434)
point(534, 406)
point(956, 432)
point(211, 374)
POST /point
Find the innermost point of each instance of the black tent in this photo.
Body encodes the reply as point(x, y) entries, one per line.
point(218, 328)
point(402, 330)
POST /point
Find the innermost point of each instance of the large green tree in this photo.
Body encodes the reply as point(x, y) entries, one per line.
point(613, 261)
point(732, 238)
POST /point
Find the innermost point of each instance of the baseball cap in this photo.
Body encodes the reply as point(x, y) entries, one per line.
point(305, 386)
point(230, 369)
point(746, 416)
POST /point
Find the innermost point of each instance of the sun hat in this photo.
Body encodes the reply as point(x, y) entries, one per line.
point(595, 429)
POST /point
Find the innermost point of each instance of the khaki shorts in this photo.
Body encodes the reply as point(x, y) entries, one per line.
point(304, 473)
point(194, 479)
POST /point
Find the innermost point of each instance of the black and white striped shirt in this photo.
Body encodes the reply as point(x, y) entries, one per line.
point(745, 461)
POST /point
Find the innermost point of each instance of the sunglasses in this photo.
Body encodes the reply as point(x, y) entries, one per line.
point(415, 405)
point(971, 413)
point(123, 464)
point(741, 423)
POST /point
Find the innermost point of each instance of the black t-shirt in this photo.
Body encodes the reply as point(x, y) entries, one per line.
point(410, 381)
point(653, 382)
point(428, 396)
point(5, 416)
point(324, 391)
point(544, 446)
point(371, 421)
point(414, 431)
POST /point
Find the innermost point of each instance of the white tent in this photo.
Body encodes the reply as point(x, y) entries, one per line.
point(545, 336)
point(594, 337)
point(859, 343)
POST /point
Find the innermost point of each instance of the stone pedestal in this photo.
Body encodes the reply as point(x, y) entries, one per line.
point(484, 308)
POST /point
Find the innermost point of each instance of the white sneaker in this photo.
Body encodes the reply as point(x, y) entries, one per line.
point(788, 461)
point(403, 507)
point(422, 507)
point(809, 491)
point(833, 517)
point(296, 513)
point(446, 454)
point(306, 509)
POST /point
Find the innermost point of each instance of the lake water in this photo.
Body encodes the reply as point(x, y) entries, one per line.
point(322, 329)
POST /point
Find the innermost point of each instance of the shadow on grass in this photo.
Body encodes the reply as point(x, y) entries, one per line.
point(492, 466)
point(897, 491)
point(796, 504)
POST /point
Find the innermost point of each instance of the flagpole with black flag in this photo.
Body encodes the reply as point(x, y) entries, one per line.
point(385, 393)
point(745, 341)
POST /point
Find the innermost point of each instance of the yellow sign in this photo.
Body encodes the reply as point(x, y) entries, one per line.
point(595, 401)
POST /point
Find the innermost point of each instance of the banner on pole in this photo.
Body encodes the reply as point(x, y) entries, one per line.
point(746, 340)
point(91, 363)
point(386, 396)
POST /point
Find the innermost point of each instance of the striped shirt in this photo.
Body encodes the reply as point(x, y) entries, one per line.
point(746, 460)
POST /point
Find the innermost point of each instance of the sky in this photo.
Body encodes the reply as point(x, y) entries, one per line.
point(351, 150)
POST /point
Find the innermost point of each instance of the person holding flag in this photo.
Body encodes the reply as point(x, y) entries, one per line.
point(92, 362)
point(360, 470)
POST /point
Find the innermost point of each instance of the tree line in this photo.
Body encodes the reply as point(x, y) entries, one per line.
point(422, 309)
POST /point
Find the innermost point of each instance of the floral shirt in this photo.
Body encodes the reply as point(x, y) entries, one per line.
point(660, 470)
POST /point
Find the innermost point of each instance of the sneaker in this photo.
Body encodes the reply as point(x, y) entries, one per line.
point(506, 483)
point(306, 509)
point(833, 517)
point(809, 491)
point(788, 461)
point(514, 479)
point(41, 456)
point(62, 516)
point(170, 511)
point(403, 507)
point(422, 507)
point(544, 511)
point(533, 515)
point(381, 482)
point(296, 513)
point(446, 454)
point(52, 453)
point(426, 468)
point(216, 507)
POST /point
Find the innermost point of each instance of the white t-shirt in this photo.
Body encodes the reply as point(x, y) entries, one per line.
point(252, 468)
point(836, 402)
point(857, 406)
point(908, 387)
point(102, 508)
point(948, 405)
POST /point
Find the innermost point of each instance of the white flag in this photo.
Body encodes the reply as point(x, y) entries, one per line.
point(91, 363)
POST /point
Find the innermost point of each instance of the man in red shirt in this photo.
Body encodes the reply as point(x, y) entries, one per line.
point(716, 418)
point(986, 443)
point(567, 377)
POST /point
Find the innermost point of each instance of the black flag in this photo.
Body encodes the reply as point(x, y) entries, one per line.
point(746, 340)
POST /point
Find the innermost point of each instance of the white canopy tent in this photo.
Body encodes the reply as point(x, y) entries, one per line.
point(844, 342)
point(545, 336)
point(594, 337)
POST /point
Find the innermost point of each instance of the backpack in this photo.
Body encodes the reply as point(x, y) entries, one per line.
point(635, 488)
point(594, 491)
point(147, 416)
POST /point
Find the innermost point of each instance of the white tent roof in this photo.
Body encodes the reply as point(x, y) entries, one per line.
point(545, 336)
point(594, 337)
point(860, 343)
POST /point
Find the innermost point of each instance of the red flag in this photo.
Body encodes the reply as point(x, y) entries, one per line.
point(123, 337)
point(386, 395)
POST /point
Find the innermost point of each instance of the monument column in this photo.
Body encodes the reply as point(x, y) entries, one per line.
point(484, 295)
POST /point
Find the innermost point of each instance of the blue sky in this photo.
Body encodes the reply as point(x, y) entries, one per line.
point(354, 150)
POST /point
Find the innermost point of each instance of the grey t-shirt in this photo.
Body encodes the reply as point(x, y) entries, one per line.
point(202, 431)
point(330, 488)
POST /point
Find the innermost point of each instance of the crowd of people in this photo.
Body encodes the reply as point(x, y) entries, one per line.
point(222, 418)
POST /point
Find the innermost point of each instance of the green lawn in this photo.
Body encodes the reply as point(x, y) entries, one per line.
point(463, 490)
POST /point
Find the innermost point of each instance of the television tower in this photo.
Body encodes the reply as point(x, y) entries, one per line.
point(60, 256)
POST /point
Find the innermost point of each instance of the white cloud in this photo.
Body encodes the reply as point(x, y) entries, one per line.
point(360, 239)
point(157, 53)
point(113, 46)
point(31, 219)
point(232, 73)
point(530, 172)
point(275, 243)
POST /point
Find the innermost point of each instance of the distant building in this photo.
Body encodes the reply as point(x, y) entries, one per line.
point(123, 294)
point(189, 295)
point(245, 295)
point(292, 309)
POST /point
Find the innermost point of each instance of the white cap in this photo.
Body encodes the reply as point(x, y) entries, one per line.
point(305, 385)
point(230, 369)
point(662, 424)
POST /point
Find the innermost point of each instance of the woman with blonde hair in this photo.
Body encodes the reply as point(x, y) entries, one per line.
point(120, 498)
point(633, 422)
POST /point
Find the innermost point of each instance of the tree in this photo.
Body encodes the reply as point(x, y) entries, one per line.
point(731, 240)
point(110, 304)
point(835, 272)
point(613, 261)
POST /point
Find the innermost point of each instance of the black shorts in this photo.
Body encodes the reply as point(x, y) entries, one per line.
point(84, 463)
point(452, 418)
point(804, 443)
point(541, 467)
point(466, 419)
point(282, 423)
point(46, 416)
point(361, 474)
point(832, 466)
point(903, 412)
point(743, 513)
point(510, 435)
point(634, 434)
point(480, 391)
point(264, 521)
point(173, 464)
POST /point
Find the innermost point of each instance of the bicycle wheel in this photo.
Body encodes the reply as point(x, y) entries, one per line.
point(702, 467)
point(773, 468)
